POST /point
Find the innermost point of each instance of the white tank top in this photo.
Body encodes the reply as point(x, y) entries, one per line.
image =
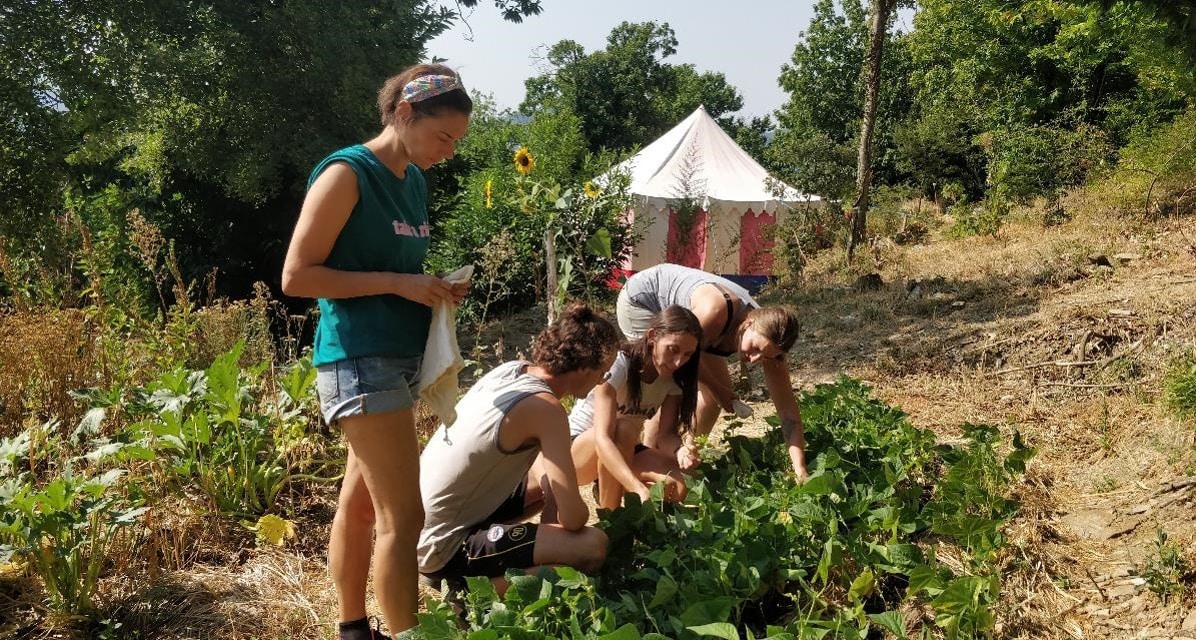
point(464, 475)
point(652, 395)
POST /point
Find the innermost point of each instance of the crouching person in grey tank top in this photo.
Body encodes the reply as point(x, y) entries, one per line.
point(474, 474)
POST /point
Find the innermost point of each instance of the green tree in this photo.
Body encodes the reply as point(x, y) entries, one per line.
point(627, 94)
point(1035, 94)
point(1178, 15)
point(752, 135)
point(207, 116)
point(815, 148)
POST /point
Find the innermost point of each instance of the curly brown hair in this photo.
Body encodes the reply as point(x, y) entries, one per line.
point(579, 339)
point(392, 93)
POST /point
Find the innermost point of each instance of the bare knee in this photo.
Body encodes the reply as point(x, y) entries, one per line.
point(355, 505)
point(594, 550)
point(405, 522)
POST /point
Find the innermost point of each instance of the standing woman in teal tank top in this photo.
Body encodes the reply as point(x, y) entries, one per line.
point(359, 247)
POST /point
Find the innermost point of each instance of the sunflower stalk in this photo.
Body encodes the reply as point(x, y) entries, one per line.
point(549, 200)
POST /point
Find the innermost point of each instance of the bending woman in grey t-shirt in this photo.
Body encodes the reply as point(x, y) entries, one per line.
point(732, 324)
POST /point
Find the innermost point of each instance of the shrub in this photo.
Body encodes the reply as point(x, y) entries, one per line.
point(1030, 161)
point(64, 528)
point(493, 206)
point(1180, 386)
point(985, 218)
point(1157, 171)
point(1165, 569)
point(216, 432)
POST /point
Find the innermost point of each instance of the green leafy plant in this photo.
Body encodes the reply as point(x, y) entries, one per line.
point(574, 223)
point(1165, 569)
point(212, 431)
point(1180, 386)
point(750, 554)
point(64, 530)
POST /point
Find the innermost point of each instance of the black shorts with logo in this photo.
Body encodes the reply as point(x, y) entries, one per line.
point(491, 547)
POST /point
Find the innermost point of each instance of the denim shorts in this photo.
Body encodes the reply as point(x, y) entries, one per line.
point(360, 386)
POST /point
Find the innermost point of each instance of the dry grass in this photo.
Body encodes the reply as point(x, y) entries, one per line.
point(1028, 331)
point(43, 356)
point(46, 354)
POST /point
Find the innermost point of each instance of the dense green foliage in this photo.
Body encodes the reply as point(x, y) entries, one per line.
point(1007, 101)
point(815, 148)
point(751, 554)
point(627, 94)
point(207, 117)
point(490, 224)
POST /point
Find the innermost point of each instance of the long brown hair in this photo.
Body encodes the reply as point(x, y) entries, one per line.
point(672, 320)
point(778, 324)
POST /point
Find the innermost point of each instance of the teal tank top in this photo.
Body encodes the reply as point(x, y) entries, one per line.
point(387, 230)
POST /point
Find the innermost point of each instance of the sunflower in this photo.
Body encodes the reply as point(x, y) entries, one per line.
point(525, 162)
point(489, 183)
point(591, 190)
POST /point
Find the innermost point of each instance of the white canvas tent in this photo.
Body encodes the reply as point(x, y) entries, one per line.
point(698, 160)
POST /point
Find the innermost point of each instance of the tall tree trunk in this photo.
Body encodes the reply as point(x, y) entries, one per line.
point(881, 10)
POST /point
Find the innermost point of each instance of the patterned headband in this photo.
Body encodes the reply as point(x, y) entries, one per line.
point(425, 87)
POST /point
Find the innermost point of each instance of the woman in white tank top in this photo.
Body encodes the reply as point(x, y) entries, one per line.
point(656, 373)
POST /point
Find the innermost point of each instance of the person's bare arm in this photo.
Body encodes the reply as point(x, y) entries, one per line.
point(325, 211)
point(710, 307)
point(669, 441)
point(606, 415)
point(540, 418)
point(776, 377)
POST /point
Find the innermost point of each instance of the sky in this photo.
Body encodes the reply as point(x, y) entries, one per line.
point(746, 40)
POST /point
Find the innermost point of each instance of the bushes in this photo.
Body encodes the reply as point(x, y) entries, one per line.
point(494, 203)
point(1029, 161)
point(1157, 171)
point(222, 444)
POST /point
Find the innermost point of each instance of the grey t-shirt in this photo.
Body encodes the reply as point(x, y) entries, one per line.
point(667, 284)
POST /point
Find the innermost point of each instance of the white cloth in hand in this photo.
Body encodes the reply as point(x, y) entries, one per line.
point(438, 385)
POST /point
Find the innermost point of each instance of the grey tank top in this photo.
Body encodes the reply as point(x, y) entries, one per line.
point(658, 287)
point(464, 476)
